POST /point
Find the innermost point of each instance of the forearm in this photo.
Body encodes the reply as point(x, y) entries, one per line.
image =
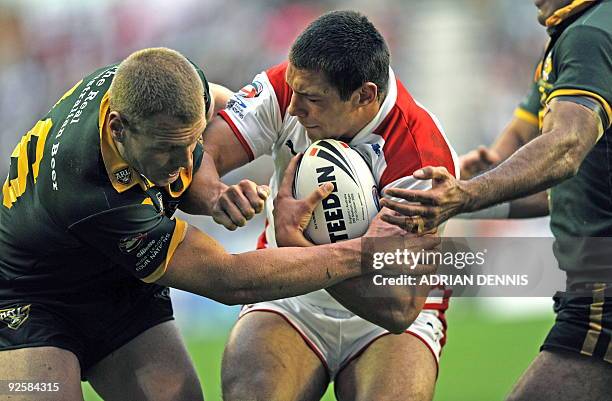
point(393, 309)
point(264, 274)
point(204, 192)
point(221, 95)
point(277, 273)
point(539, 165)
point(569, 132)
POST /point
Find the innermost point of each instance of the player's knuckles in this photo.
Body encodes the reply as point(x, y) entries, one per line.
point(258, 206)
point(225, 222)
point(247, 184)
point(239, 221)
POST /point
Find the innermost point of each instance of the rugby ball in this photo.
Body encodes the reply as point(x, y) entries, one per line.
point(347, 212)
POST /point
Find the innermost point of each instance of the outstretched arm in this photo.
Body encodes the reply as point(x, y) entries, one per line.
point(515, 135)
point(569, 132)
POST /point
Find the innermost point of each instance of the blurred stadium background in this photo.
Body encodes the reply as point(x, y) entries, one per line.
point(469, 61)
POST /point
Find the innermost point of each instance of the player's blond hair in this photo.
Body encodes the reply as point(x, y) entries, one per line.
point(157, 81)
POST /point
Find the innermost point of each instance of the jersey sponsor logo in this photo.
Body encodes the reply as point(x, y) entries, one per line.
point(14, 317)
point(129, 244)
point(251, 90)
point(86, 97)
point(145, 260)
point(145, 249)
point(376, 148)
point(237, 106)
point(124, 176)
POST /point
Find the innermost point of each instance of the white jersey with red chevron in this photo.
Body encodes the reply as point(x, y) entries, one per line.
point(402, 138)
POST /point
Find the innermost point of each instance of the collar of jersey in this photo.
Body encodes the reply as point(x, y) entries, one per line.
point(113, 162)
point(564, 13)
point(385, 108)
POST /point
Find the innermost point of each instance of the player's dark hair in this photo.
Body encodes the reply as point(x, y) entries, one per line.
point(347, 48)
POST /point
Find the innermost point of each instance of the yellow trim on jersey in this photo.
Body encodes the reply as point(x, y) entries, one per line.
point(113, 161)
point(571, 9)
point(177, 237)
point(115, 164)
point(578, 92)
point(184, 177)
point(526, 116)
point(68, 93)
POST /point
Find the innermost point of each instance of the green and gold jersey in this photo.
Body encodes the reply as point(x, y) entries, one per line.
point(73, 212)
point(578, 63)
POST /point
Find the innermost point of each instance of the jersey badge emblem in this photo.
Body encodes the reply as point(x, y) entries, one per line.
point(130, 243)
point(251, 90)
point(124, 176)
point(14, 317)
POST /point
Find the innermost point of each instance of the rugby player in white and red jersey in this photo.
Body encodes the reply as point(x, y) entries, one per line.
point(336, 84)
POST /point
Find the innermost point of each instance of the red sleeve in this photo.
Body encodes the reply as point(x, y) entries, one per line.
point(283, 92)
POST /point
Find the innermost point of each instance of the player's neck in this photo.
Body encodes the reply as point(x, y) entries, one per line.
point(364, 116)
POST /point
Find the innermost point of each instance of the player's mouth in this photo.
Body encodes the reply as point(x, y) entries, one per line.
point(173, 174)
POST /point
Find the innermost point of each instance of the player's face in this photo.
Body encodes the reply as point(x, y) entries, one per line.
point(546, 8)
point(163, 150)
point(318, 107)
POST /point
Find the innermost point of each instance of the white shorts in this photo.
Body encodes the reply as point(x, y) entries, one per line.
point(338, 336)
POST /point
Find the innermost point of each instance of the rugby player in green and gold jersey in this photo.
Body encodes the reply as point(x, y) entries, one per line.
point(560, 138)
point(88, 245)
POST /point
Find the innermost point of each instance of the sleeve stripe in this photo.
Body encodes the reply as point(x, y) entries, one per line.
point(238, 135)
point(526, 116)
point(578, 92)
point(177, 237)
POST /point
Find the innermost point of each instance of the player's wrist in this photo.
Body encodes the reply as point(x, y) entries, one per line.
point(350, 252)
point(470, 190)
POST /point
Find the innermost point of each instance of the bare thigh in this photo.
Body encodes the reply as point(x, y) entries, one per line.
point(266, 359)
point(47, 365)
point(564, 376)
point(394, 367)
point(153, 366)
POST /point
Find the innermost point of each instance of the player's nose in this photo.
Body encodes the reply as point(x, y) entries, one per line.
point(296, 108)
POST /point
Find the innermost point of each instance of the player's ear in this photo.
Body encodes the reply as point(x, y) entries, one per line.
point(367, 93)
point(116, 126)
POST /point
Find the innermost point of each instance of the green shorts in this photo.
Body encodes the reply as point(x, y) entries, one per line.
point(89, 325)
point(584, 321)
